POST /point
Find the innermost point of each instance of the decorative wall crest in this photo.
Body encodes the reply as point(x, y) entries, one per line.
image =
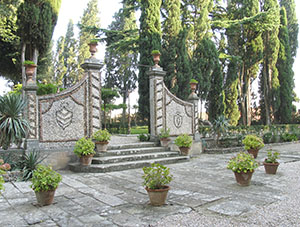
point(64, 115)
point(177, 119)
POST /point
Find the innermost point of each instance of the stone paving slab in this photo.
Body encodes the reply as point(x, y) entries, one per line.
point(203, 185)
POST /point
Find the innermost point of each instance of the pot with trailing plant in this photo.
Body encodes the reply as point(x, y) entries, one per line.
point(184, 142)
point(164, 137)
point(271, 164)
point(44, 183)
point(85, 150)
point(252, 144)
point(101, 138)
point(156, 177)
point(243, 166)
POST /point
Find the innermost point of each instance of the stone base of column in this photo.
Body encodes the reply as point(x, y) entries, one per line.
point(31, 144)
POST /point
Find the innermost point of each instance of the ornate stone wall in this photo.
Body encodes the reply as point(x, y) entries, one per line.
point(168, 111)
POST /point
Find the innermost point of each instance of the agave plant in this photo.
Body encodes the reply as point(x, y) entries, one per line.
point(12, 125)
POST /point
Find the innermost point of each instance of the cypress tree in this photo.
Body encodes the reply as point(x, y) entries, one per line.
point(89, 18)
point(286, 74)
point(292, 23)
point(150, 39)
point(269, 83)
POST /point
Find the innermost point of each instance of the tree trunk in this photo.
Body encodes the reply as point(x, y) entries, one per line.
point(266, 94)
point(124, 110)
point(129, 117)
point(23, 68)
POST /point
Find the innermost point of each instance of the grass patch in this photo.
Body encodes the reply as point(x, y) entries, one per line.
point(139, 130)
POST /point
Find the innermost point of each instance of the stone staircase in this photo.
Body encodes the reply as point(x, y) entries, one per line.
point(129, 156)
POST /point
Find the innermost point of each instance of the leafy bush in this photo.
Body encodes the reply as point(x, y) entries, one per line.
point(29, 162)
point(287, 137)
point(184, 140)
point(84, 147)
point(143, 137)
point(164, 133)
point(243, 162)
point(45, 179)
point(101, 135)
point(253, 142)
point(1, 180)
point(45, 89)
point(267, 137)
point(272, 157)
point(12, 125)
point(156, 176)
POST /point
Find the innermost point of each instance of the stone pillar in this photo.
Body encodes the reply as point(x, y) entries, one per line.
point(31, 114)
point(92, 68)
point(156, 77)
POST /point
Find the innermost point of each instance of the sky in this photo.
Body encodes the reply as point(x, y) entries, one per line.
point(73, 9)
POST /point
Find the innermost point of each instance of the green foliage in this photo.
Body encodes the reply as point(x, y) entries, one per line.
point(272, 157)
point(242, 162)
point(28, 62)
point(139, 130)
point(267, 137)
point(156, 176)
point(45, 179)
point(288, 137)
point(193, 81)
point(12, 125)
point(154, 52)
point(84, 146)
point(29, 162)
point(101, 136)
point(253, 142)
point(184, 140)
point(1, 180)
point(164, 133)
point(45, 89)
point(143, 137)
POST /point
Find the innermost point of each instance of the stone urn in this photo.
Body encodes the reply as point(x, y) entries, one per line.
point(93, 48)
point(29, 71)
point(156, 57)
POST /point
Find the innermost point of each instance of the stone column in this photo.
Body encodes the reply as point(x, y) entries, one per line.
point(31, 114)
point(156, 77)
point(92, 68)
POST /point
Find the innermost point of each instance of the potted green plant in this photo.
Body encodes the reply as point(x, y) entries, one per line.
point(252, 144)
point(164, 137)
point(84, 149)
point(156, 56)
point(44, 183)
point(184, 142)
point(193, 84)
point(101, 139)
point(243, 166)
point(93, 46)
point(156, 177)
point(271, 164)
point(29, 70)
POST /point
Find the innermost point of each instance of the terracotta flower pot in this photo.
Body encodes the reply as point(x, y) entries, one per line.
point(93, 48)
point(29, 71)
point(164, 142)
point(101, 146)
point(86, 160)
point(156, 58)
point(45, 198)
point(254, 152)
point(184, 150)
point(271, 168)
point(158, 196)
point(193, 86)
point(243, 179)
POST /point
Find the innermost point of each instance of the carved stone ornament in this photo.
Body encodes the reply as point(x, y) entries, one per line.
point(64, 116)
point(177, 120)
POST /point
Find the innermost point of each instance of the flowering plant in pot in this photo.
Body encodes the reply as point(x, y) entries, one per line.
point(164, 137)
point(84, 149)
point(156, 177)
point(252, 144)
point(184, 142)
point(243, 166)
point(271, 164)
point(101, 139)
point(44, 183)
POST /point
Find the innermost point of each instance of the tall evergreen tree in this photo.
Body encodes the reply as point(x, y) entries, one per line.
point(269, 83)
point(149, 39)
point(292, 23)
point(171, 28)
point(89, 18)
point(121, 63)
point(286, 74)
point(59, 66)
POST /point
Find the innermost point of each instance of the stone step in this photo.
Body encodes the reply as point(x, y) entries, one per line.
point(128, 151)
point(133, 157)
point(102, 168)
point(131, 145)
